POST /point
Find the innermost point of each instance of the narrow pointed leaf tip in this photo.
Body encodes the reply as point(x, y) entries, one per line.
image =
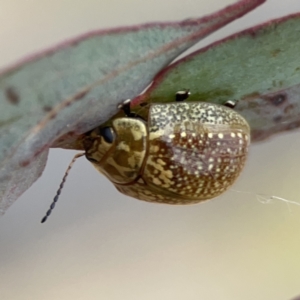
point(260, 67)
point(76, 86)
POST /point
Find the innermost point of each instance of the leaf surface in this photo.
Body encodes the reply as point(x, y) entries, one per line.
point(260, 67)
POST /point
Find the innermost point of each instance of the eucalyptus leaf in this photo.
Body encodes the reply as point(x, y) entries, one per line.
point(259, 67)
point(68, 90)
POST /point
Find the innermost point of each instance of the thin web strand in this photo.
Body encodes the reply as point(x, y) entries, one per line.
point(267, 199)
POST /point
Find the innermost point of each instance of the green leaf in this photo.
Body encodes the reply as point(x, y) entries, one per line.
point(74, 87)
point(260, 67)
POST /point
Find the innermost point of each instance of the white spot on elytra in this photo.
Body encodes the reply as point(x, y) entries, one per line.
point(183, 134)
point(220, 135)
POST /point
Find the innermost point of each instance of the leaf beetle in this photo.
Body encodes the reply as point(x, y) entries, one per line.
point(185, 152)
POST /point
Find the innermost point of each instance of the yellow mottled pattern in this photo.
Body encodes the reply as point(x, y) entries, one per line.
point(124, 158)
point(142, 191)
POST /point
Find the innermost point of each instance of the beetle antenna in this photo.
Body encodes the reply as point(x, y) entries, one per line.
point(61, 187)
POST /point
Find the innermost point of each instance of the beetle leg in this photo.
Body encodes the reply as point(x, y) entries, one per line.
point(125, 106)
point(231, 103)
point(182, 95)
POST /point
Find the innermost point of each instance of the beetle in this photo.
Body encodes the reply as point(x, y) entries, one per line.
point(183, 153)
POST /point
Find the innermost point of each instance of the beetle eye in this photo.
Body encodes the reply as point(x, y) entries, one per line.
point(108, 134)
